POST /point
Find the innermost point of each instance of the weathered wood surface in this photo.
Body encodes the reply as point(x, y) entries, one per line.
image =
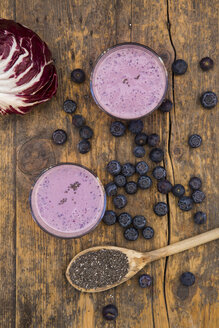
point(34, 291)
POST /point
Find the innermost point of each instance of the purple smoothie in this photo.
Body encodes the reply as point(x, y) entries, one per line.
point(67, 201)
point(129, 81)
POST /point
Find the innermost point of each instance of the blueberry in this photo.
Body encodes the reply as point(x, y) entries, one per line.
point(200, 217)
point(78, 121)
point(144, 182)
point(128, 169)
point(166, 106)
point(156, 155)
point(148, 233)
point(164, 186)
point(109, 217)
point(69, 106)
point(153, 140)
point(78, 75)
point(159, 173)
point(111, 189)
point(198, 196)
point(195, 183)
point(141, 139)
point(84, 146)
point(136, 126)
point(114, 167)
point(161, 209)
point(120, 180)
point(59, 137)
point(110, 312)
point(209, 99)
point(86, 132)
point(145, 280)
point(131, 187)
point(178, 190)
point(131, 234)
point(124, 219)
point(185, 203)
point(139, 151)
point(179, 67)
point(141, 168)
point(187, 279)
point(195, 141)
point(139, 222)
point(206, 63)
point(120, 201)
point(117, 129)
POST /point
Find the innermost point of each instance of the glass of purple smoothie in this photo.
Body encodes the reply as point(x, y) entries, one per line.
point(129, 81)
point(67, 200)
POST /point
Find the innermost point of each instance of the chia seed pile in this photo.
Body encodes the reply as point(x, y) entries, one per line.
point(99, 268)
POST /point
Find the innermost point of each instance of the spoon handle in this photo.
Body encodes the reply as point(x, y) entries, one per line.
point(183, 245)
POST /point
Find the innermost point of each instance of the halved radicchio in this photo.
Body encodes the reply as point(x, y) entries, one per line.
point(27, 72)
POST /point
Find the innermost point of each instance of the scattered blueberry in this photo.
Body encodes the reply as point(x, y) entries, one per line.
point(206, 63)
point(179, 67)
point(110, 312)
point(111, 189)
point(209, 99)
point(120, 201)
point(153, 140)
point(161, 209)
point(145, 281)
point(124, 219)
point(131, 234)
point(84, 146)
point(178, 190)
point(159, 173)
point(200, 217)
point(78, 75)
point(59, 137)
point(141, 168)
point(195, 141)
point(185, 203)
point(156, 155)
point(131, 187)
point(195, 183)
point(148, 233)
point(69, 106)
point(136, 126)
point(139, 151)
point(187, 279)
point(114, 167)
point(117, 129)
point(86, 132)
point(78, 121)
point(144, 182)
point(128, 169)
point(164, 186)
point(166, 106)
point(109, 217)
point(120, 180)
point(198, 196)
point(141, 139)
point(139, 222)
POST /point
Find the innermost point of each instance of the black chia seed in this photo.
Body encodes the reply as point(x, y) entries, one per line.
point(99, 268)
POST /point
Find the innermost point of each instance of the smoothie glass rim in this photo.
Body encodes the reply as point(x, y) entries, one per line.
point(123, 44)
point(60, 164)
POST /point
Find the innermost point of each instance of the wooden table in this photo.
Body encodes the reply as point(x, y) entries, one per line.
point(34, 290)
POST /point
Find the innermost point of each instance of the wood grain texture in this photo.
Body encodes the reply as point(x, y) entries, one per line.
point(77, 31)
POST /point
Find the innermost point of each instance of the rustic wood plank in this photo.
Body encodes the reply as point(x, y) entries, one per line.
point(193, 27)
point(7, 206)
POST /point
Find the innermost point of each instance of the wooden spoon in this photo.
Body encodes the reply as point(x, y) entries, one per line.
point(137, 260)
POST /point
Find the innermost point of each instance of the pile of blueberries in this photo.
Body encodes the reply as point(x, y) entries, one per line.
point(59, 136)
